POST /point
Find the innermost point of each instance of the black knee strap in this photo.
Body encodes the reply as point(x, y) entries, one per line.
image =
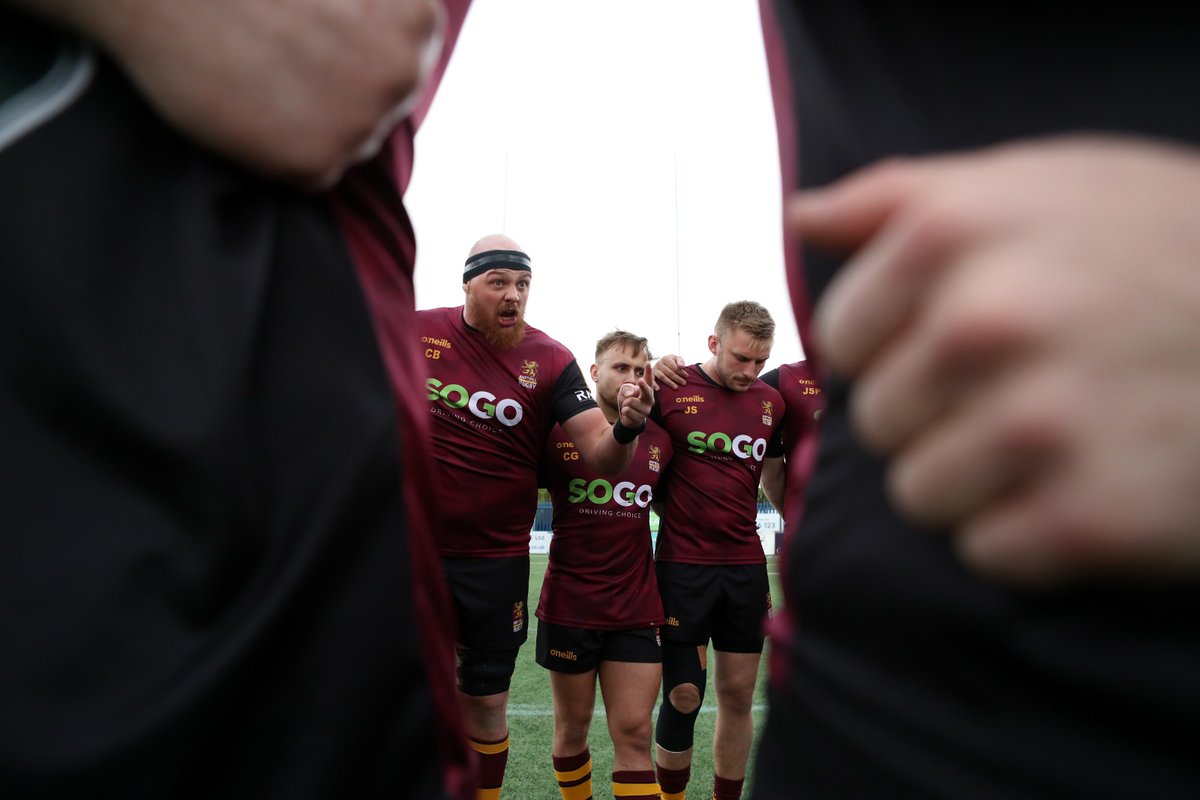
point(675, 731)
point(485, 672)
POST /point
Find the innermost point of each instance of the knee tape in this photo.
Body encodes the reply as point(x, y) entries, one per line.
point(485, 672)
point(681, 664)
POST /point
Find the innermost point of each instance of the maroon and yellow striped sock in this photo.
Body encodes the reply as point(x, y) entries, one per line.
point(673, 782)
point(574, 775)
point(493, 758)
point(727, 789)
point(635, 785)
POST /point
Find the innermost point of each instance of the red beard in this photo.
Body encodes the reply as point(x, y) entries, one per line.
point(503, 338)
point(498, 336)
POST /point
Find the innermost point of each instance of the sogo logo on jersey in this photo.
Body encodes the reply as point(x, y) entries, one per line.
point(742, 446)
point(482, 404)
point(601, 491)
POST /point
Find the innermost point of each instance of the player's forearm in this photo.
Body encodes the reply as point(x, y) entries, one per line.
point(610, 456)
point(321, 83)
point(774, 482)
point(598, 442)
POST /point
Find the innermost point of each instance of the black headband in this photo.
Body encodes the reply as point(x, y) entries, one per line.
point(495, 259)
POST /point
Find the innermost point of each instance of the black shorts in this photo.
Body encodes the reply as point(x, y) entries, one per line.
point(727, 603)
point(561, 648)
point(490, 601)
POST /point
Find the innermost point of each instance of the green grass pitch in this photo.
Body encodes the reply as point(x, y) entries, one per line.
point(531, 722)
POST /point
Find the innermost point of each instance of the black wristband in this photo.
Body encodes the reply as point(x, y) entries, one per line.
point(625, 435)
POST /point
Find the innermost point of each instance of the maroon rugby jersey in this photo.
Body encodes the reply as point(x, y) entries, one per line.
point(802, 394)
point(491, 412)
point(601, 570)
point(721, 438)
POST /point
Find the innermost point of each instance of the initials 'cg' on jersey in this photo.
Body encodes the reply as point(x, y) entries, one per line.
point(482, 404)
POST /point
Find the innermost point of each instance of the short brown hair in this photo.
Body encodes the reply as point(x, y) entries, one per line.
point(748, 315)
point(623, 338)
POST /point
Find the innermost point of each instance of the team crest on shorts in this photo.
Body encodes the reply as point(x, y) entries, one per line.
point(518, 616)
point(655, 458)
point(528, 375)
point(657, 636)
point(768, 412)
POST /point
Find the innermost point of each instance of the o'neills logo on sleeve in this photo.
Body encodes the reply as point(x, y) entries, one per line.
point(528, 375)
point(655, 458)
point(768, 412)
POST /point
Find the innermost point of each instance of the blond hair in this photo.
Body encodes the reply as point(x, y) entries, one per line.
point(625, 339)
point(749, 316)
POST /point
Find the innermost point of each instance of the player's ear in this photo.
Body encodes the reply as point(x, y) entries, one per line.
point(713, 343)
point(595, 371)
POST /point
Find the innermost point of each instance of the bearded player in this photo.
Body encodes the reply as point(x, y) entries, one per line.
point(600, 611)
point(496, 387)
point(711, 566)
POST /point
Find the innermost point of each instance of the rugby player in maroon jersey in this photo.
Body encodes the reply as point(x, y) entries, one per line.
point(783, 478)
point(496, 386)
point(798, 385)
point(711, 567)
point(802, 394)
point(599, 609)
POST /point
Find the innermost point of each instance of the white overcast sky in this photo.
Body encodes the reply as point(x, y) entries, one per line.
point(629, 147)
